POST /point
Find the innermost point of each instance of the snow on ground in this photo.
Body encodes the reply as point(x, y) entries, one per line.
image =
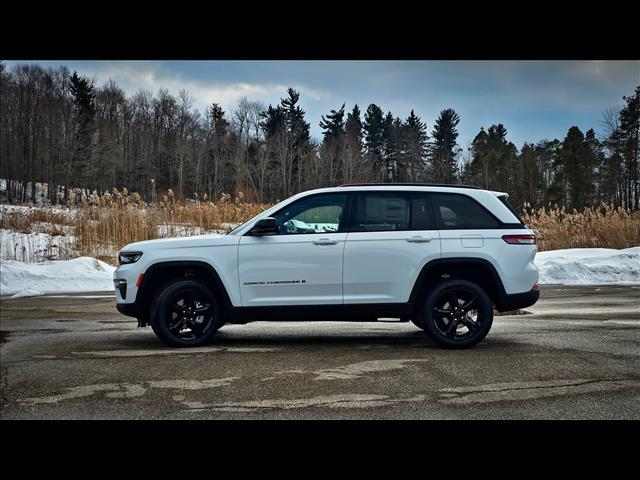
point(83, 274)
point(177, 230)
point(589, 266)
point(33, 247)
point(25, 209)
point(576, 266)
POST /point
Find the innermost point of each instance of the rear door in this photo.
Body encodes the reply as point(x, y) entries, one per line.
point(391, 237)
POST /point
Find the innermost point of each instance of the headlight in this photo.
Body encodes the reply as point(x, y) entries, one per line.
point(128, 257)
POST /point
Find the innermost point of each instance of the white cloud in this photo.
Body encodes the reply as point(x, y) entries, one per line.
point(133, 76)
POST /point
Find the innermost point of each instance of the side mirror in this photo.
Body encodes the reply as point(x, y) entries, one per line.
point(264, 226)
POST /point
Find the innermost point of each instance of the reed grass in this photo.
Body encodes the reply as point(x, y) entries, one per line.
point(604, 226)
point(99, 226)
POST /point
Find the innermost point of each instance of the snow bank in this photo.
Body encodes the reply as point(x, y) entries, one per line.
point(33, 247)
point(575, 266)
point(69, 212)
point(82, 274)
point(589, 266)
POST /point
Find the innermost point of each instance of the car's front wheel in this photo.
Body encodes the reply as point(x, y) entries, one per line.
point(457, 314)
point(185, 313)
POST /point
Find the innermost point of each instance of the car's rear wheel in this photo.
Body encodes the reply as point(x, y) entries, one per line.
point(457, 314)
point(185, 313)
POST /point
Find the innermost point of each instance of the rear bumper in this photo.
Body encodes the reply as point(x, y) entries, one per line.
point(518, 300)
point(128, 309)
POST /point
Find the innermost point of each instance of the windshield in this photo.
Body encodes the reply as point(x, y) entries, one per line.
point(240, 227)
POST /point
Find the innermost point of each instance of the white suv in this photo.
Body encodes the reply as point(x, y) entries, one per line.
point(441, 256)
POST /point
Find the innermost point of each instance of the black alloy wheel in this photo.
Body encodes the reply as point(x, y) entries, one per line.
point(189, 316)
point(185, 313)
point(457, 314)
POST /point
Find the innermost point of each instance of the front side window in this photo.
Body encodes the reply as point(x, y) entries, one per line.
point(455, 211)
point(391, 211)
point(315, 214)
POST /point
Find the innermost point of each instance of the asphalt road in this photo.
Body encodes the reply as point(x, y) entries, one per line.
point(576, 356)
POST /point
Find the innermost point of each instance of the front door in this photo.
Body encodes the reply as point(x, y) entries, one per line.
point(302, 264)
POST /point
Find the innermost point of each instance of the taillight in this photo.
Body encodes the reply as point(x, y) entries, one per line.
point(520, 239)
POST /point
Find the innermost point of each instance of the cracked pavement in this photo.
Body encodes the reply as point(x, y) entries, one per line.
point(74, 357)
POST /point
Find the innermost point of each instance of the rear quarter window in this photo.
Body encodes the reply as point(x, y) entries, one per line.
point(506, 203)
point(454, 211)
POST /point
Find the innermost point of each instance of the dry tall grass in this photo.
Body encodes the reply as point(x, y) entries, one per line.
point(102, 231)
point(602, 227)
point(100, 226)
point(37, 220)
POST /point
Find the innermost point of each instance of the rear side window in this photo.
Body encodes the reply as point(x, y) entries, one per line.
point(454, 211)
point(390, 211)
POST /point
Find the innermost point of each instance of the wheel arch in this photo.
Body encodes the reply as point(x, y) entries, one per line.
point(161, 273)
point(477, 270)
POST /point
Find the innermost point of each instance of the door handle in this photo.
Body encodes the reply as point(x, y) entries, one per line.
point(325, 241)
point(418, 239)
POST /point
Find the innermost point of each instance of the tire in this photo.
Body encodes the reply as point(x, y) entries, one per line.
point(457, 314)
point(417, 321)
point(185, 313)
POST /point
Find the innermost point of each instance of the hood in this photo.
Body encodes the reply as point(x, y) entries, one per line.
point(178, 242)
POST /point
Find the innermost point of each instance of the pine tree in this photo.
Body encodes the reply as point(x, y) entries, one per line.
point(294, 119)
point(83, 91)
point(527, 177)
point(630, 133)
point(353, 125)
point(498, 157)
point(444, 148)
point(592, 160)
point(332, 147)
point(612, 168)
point(374, 127)
point(547, 153)
point(478, 170)
point(272, 121)
point(216, 178)
point(416, 139)
point(573, 168)
point(333, 124)
point(391, 149)
point(352, 161)
point(287, 133)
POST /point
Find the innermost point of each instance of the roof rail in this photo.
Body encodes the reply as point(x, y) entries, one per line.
point(407, 185)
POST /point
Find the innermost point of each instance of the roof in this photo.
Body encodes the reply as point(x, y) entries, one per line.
point(408, 185)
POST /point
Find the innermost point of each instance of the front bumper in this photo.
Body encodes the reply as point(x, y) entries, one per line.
point(518, 300)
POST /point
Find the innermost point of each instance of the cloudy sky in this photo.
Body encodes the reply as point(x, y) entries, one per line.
point(533, 99)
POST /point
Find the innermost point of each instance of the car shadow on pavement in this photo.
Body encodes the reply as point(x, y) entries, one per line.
point(299, 339)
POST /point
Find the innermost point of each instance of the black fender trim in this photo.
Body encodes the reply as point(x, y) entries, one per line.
point(219, 287)
point(503, 301)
